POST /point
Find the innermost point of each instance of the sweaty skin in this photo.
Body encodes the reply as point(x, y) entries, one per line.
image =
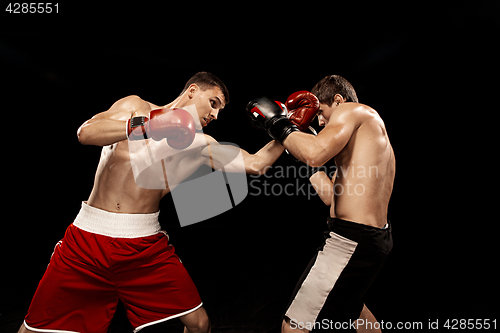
point(115, 189)
point(356, 136)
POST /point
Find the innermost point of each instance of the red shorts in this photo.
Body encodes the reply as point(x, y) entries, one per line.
point(89, 272)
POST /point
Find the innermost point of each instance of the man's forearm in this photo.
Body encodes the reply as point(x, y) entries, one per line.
point(225, 156)
point(323, 186)
point(262, 160)
point(302, 146)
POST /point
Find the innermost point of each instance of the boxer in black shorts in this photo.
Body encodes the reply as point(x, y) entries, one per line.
point(331, 289)
point(359, 235)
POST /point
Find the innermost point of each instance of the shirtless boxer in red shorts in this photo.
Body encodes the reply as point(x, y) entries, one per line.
point(115, 248)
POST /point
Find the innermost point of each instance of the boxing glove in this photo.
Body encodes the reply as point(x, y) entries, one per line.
point(270, 116)
point(302, 107)
point(176, 125)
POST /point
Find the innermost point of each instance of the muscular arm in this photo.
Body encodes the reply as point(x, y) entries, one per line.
point(262, 160)
point(317, 150)
point(108, 127)
point(225, 156)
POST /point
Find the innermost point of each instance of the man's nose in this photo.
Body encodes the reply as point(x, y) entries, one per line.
point(214, 114)
point(321, 120)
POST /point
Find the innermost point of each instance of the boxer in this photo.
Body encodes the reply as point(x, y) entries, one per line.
point(359, 235)
point(115, 248)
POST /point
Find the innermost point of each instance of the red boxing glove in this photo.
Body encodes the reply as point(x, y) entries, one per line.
point(302, 108)
point(176, 125)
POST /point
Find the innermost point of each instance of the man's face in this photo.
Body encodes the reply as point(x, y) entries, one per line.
point(325, 111)
point(208, 104)
point(324, 114)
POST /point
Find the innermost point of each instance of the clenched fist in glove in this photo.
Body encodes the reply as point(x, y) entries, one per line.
point(176, 125)
point(272, 117)
point(302, 107)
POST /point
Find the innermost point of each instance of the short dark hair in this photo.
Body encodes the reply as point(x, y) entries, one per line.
point(330, 85)
point(206, 80)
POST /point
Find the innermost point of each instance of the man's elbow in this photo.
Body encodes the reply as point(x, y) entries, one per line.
point(83, 136)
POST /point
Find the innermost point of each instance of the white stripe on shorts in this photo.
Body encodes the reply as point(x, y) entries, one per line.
point(320, 280)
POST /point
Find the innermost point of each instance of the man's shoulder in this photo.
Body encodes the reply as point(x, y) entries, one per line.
point(358, 116)
point(354, 114)
point(132, 102)
point(358, 108)
point(364, 113)
point(369, 120)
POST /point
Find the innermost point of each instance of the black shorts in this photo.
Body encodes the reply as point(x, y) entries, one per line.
point(334, 283)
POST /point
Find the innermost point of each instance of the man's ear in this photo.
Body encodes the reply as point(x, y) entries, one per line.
point(192, 89)
point(338, 99)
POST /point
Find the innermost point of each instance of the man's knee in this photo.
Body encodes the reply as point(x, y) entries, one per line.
point(197, 322)
point(23, 329)
point(204, 325)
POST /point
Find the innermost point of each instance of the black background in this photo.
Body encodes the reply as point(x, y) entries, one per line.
point(430, 71)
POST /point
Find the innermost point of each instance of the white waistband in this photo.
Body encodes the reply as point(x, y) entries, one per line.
point(116, 225)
